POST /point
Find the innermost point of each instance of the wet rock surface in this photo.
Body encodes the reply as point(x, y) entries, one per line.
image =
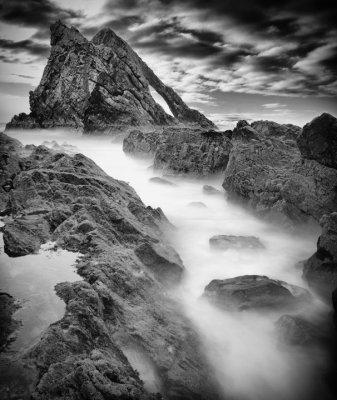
point(124, 297)
point(225, 242)
point(267, 172)
point(254, 292)
point(100, 85)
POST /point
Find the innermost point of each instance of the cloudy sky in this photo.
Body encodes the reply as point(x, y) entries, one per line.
point(231, 59)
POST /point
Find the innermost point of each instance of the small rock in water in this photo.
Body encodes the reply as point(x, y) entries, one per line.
point(162, 181)
point(225, 242)
point(254, 292)
point(208, 189)
point(198, 204)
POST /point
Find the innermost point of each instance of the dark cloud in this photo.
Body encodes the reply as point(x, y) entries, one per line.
point(34, 13)
point(27, 46)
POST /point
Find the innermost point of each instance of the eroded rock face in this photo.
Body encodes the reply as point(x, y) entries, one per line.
point(267, 172)
point(318, 140)
point(182, 150)
point(254, 292)
point(320, 270)
point(124, 297)
point(8, 325)
point(99, 86)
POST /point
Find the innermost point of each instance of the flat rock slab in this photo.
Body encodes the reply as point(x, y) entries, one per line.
point(225, 242)
point(254, 292)
point(197, 204)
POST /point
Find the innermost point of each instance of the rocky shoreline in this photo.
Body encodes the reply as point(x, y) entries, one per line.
point(127, 267)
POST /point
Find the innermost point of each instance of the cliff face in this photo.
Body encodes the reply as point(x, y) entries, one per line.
point(99, 85)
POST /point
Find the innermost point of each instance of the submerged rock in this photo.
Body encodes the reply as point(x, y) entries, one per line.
point(295, 330)
point(254, 292)
point(320, 270)
point(100, 85)
point(318, 140)
point(161, 181)
point(225, 242)
point(197, 204)
point(208, 189)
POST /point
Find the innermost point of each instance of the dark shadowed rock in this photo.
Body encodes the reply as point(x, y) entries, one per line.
point(100, 85)
point(161, 181)
point(225, 242)
point(320, 270)
point(318, 140)
point(268, 174)
point(211, 190)
point(163, 261)
point(295, 330)
point(254, 292)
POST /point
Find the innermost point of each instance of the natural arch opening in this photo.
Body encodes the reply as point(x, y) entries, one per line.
point(160, 100)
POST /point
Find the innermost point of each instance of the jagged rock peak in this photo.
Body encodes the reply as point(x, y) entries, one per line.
point(59, 31)
point(100, 86)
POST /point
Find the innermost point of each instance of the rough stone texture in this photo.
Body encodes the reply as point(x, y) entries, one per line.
point(254, 292)
point(182, 150)
point(266, 171)
point(121, 300)
point(318, 140)
point(100, 85)
point(320, 270)
point(225, 242)
point(273, 129)
point(7, 324)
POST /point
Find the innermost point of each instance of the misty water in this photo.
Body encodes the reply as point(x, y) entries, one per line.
point(249, 361)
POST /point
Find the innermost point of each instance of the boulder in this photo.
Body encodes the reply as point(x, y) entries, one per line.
point(318, 140)
point(225, 242)
point(295, 330)
point(197, 204)
point(8, 325)
point(254, 292)
point(99, 86)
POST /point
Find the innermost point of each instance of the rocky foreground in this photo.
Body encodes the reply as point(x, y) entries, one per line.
point(124, 298)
